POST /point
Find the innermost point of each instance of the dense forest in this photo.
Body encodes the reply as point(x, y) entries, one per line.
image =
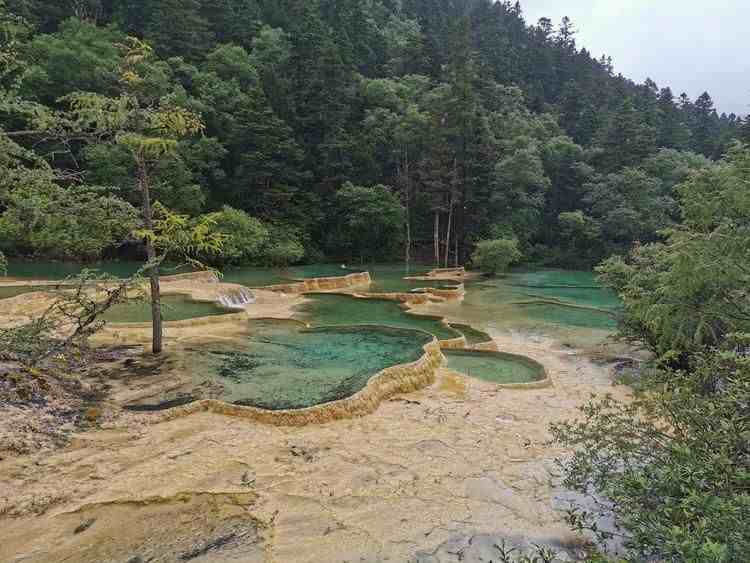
point(346, 129)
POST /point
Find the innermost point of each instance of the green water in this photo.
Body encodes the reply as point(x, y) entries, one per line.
point(49, 270)
point(250, 276)
point(473, 336)
point(570, 316)
point(280, 366)
point(174, 308)
point(389, 278)
point(567, 306)
point(495, 367)
point(556, 278)
point(255, 277)
point(333, 310)
point(577, 288)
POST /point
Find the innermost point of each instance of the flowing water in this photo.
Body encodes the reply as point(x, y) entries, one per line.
point(495, 367)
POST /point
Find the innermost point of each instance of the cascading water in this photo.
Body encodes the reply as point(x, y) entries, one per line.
point(237, 300)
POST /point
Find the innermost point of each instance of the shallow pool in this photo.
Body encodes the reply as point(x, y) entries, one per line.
point(254, 277)
point(50, 270)
point(568, 315)
point(473, 336)
point(284, 366)
point(174, 308)
point(495, 367)
point(332, 310)
point(389, 278)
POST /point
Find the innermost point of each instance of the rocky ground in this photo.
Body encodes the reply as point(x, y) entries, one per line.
point(446, 474)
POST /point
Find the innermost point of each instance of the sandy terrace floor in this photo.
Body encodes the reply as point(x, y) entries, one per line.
point(440, 475)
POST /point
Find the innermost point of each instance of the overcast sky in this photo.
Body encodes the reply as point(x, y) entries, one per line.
point(690, 45)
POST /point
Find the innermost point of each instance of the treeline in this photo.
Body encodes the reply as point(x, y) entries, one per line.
point(345, 129)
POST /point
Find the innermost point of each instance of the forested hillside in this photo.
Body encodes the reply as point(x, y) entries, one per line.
point(347, 129)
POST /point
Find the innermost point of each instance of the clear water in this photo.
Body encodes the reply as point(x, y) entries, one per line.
point(48, 270)
point(572, 316)
point(567, 306)
point(283, 366)
point(250, 276)
point(495, 367)
point(174, 308)
point(337, 310)
point(473, 336)
point(534, 301)
point(578, 288)
point(255, 277)
point(556, 278)
point(389, 278)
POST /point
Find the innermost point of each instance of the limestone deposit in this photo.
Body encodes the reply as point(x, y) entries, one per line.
point(423, 465)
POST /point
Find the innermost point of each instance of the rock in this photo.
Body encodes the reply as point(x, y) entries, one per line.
point(84, 526)
point(489, 489)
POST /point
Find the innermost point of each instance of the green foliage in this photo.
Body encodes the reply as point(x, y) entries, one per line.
point(478, 121)
point(78, 223)
point(670, 466)
point(80, 56)
point(494, 256)
point(283, 252)
point(177, 236)
point(369, 222)
point(245, 238)
point(3, 265)
point(692, 290)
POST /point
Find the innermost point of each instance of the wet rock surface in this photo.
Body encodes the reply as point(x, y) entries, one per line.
point(442, 474)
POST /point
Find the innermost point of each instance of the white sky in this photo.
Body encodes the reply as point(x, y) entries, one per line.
point(690, 45)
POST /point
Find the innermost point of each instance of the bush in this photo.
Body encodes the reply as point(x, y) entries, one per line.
point(285, 245)
point(245, 237)
point(75, 223)
point(369, 223)
point(284, 252)
point(673, 466)
point(493, 256)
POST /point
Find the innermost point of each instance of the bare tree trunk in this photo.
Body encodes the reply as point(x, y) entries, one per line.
point(448, 231)
point(436, 238)
point(407, 185)
point(456, 242)
point(153, 271)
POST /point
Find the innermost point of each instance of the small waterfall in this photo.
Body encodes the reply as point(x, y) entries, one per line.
point(237, 300)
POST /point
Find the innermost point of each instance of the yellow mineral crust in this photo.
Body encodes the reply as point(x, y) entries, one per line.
point(403, 378)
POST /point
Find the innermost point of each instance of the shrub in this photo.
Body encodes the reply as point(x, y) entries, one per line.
point(493, 256)
point(672, 467)
point(245, 236)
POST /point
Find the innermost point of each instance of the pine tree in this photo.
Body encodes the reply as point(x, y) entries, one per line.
point(178, 29)
point(706, 128)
